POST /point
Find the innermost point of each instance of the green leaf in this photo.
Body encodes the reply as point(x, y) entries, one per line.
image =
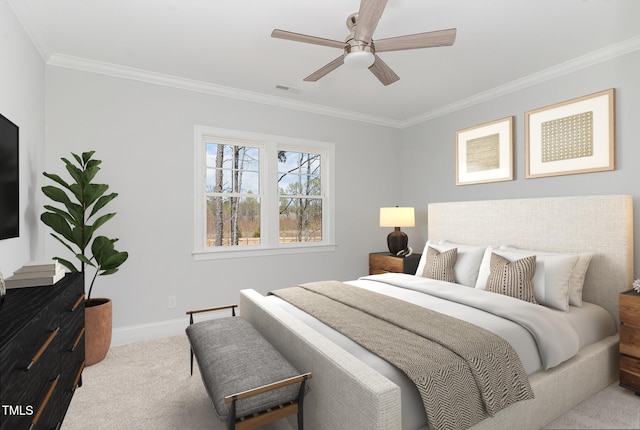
point(57, 179)
point(108, 272)
point(93, 163)
point(78, 159)
point(86, 156)
point(66, 244)
point(77, 174)
point(90, 172)
point(106, 256)
point(56, 194)
point(115, 260)
point(85, 260)
point(58, 224)
point(100, 221)
point(66, 263)
point(102, 201)
point(93, 192)
point(62, 213)
point(81, 236)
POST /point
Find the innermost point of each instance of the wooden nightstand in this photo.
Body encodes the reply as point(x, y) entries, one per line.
point(385, 262)
point(630, 341)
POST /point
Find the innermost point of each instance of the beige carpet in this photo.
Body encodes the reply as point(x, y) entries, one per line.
point(146, 385)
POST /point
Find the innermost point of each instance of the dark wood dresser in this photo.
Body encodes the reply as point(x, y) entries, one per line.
point(630, 340)
point(41, 353)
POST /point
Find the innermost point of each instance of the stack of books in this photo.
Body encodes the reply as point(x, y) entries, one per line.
point(36, 274)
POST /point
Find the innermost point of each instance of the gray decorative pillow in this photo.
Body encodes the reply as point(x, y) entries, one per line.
point(512, 278)
point(439, 265)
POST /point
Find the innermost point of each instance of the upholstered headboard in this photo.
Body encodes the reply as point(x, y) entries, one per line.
point(602, 225)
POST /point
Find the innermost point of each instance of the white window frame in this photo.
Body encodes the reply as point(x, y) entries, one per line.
point(269, 205)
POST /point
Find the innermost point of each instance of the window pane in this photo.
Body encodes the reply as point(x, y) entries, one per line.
point(300, 220)
point(232, 169)
point(293, 184)
point(233, 221)
point(299, 173)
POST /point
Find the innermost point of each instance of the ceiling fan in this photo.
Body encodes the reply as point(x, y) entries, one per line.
point(360, 49)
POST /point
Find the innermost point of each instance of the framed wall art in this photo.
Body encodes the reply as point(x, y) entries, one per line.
point(484, 153)
point(575, 136)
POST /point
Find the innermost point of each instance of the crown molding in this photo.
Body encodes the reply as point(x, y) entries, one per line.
point(83, 64)
point(593, 58)
point(610, 52)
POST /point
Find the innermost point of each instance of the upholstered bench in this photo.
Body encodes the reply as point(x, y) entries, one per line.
point(249, 382)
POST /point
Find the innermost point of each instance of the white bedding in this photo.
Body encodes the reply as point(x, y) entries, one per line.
point(578, 327)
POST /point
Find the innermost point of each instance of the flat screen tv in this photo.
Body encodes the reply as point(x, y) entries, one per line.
point(9, 180)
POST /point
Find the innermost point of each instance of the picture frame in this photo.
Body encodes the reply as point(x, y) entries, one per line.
point(484, 153)
point(571, 137)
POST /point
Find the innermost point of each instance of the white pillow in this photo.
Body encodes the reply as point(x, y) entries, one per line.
point(551, 280)
point(467, 264)
point(576, 282)
point(577, 279)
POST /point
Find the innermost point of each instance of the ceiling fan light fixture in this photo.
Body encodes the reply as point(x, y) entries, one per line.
point(359, 59)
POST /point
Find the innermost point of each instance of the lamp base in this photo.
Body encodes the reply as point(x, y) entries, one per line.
point(397, 241)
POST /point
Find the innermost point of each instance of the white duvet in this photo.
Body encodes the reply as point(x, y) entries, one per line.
point(542, 337)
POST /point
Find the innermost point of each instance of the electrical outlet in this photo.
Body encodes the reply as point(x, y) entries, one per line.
point(172, 302)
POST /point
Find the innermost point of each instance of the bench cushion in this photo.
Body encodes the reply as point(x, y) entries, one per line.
point(233, 357)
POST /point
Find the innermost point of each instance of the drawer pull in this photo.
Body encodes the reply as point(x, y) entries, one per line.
point(77, 303)
point(43, 405)
point(43, 348)
point(76, 380)
point(78, 339)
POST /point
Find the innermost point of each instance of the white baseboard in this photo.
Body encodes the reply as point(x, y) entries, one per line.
point(157, 330)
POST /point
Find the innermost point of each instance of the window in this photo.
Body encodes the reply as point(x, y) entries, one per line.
point(300, 193)
point(232, 193)
point(259, 194)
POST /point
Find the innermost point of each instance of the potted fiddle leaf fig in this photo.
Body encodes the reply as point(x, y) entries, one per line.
point(74, 220)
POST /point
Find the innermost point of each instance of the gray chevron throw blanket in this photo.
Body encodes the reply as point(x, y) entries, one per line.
point(464, 373)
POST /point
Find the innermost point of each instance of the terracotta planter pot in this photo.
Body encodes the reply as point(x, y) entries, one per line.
point(97, 322)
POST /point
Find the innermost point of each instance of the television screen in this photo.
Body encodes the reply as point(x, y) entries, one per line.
point(9, 180)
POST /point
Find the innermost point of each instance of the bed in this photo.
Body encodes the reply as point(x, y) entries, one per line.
point(353, 389)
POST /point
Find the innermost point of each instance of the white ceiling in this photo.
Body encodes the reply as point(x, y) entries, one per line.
point(224, 46)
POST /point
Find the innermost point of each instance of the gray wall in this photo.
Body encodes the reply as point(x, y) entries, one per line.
point(144, 134)
point(22, 101)
point(428, 151)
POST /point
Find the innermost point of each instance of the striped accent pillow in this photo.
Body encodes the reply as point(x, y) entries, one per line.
point(513, 278)
point(439, 265)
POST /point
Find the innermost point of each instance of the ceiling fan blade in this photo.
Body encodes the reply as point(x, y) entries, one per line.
point(383, 72)
point(429, 39)
point(368, 17)
point(325, 70)
point(297, 37)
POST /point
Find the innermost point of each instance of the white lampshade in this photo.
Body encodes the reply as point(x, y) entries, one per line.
point(397, 217)
point(359, 59)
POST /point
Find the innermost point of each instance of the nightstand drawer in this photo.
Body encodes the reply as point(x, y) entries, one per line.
point(382, 263)
point(630, 340)
point(630, 372)
point(385, 262)
point(630, 309)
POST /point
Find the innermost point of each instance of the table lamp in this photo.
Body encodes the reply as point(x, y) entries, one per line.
point(397, 217)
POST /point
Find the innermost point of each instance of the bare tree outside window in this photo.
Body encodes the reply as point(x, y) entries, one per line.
point(300, 191)
point(233, 194)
